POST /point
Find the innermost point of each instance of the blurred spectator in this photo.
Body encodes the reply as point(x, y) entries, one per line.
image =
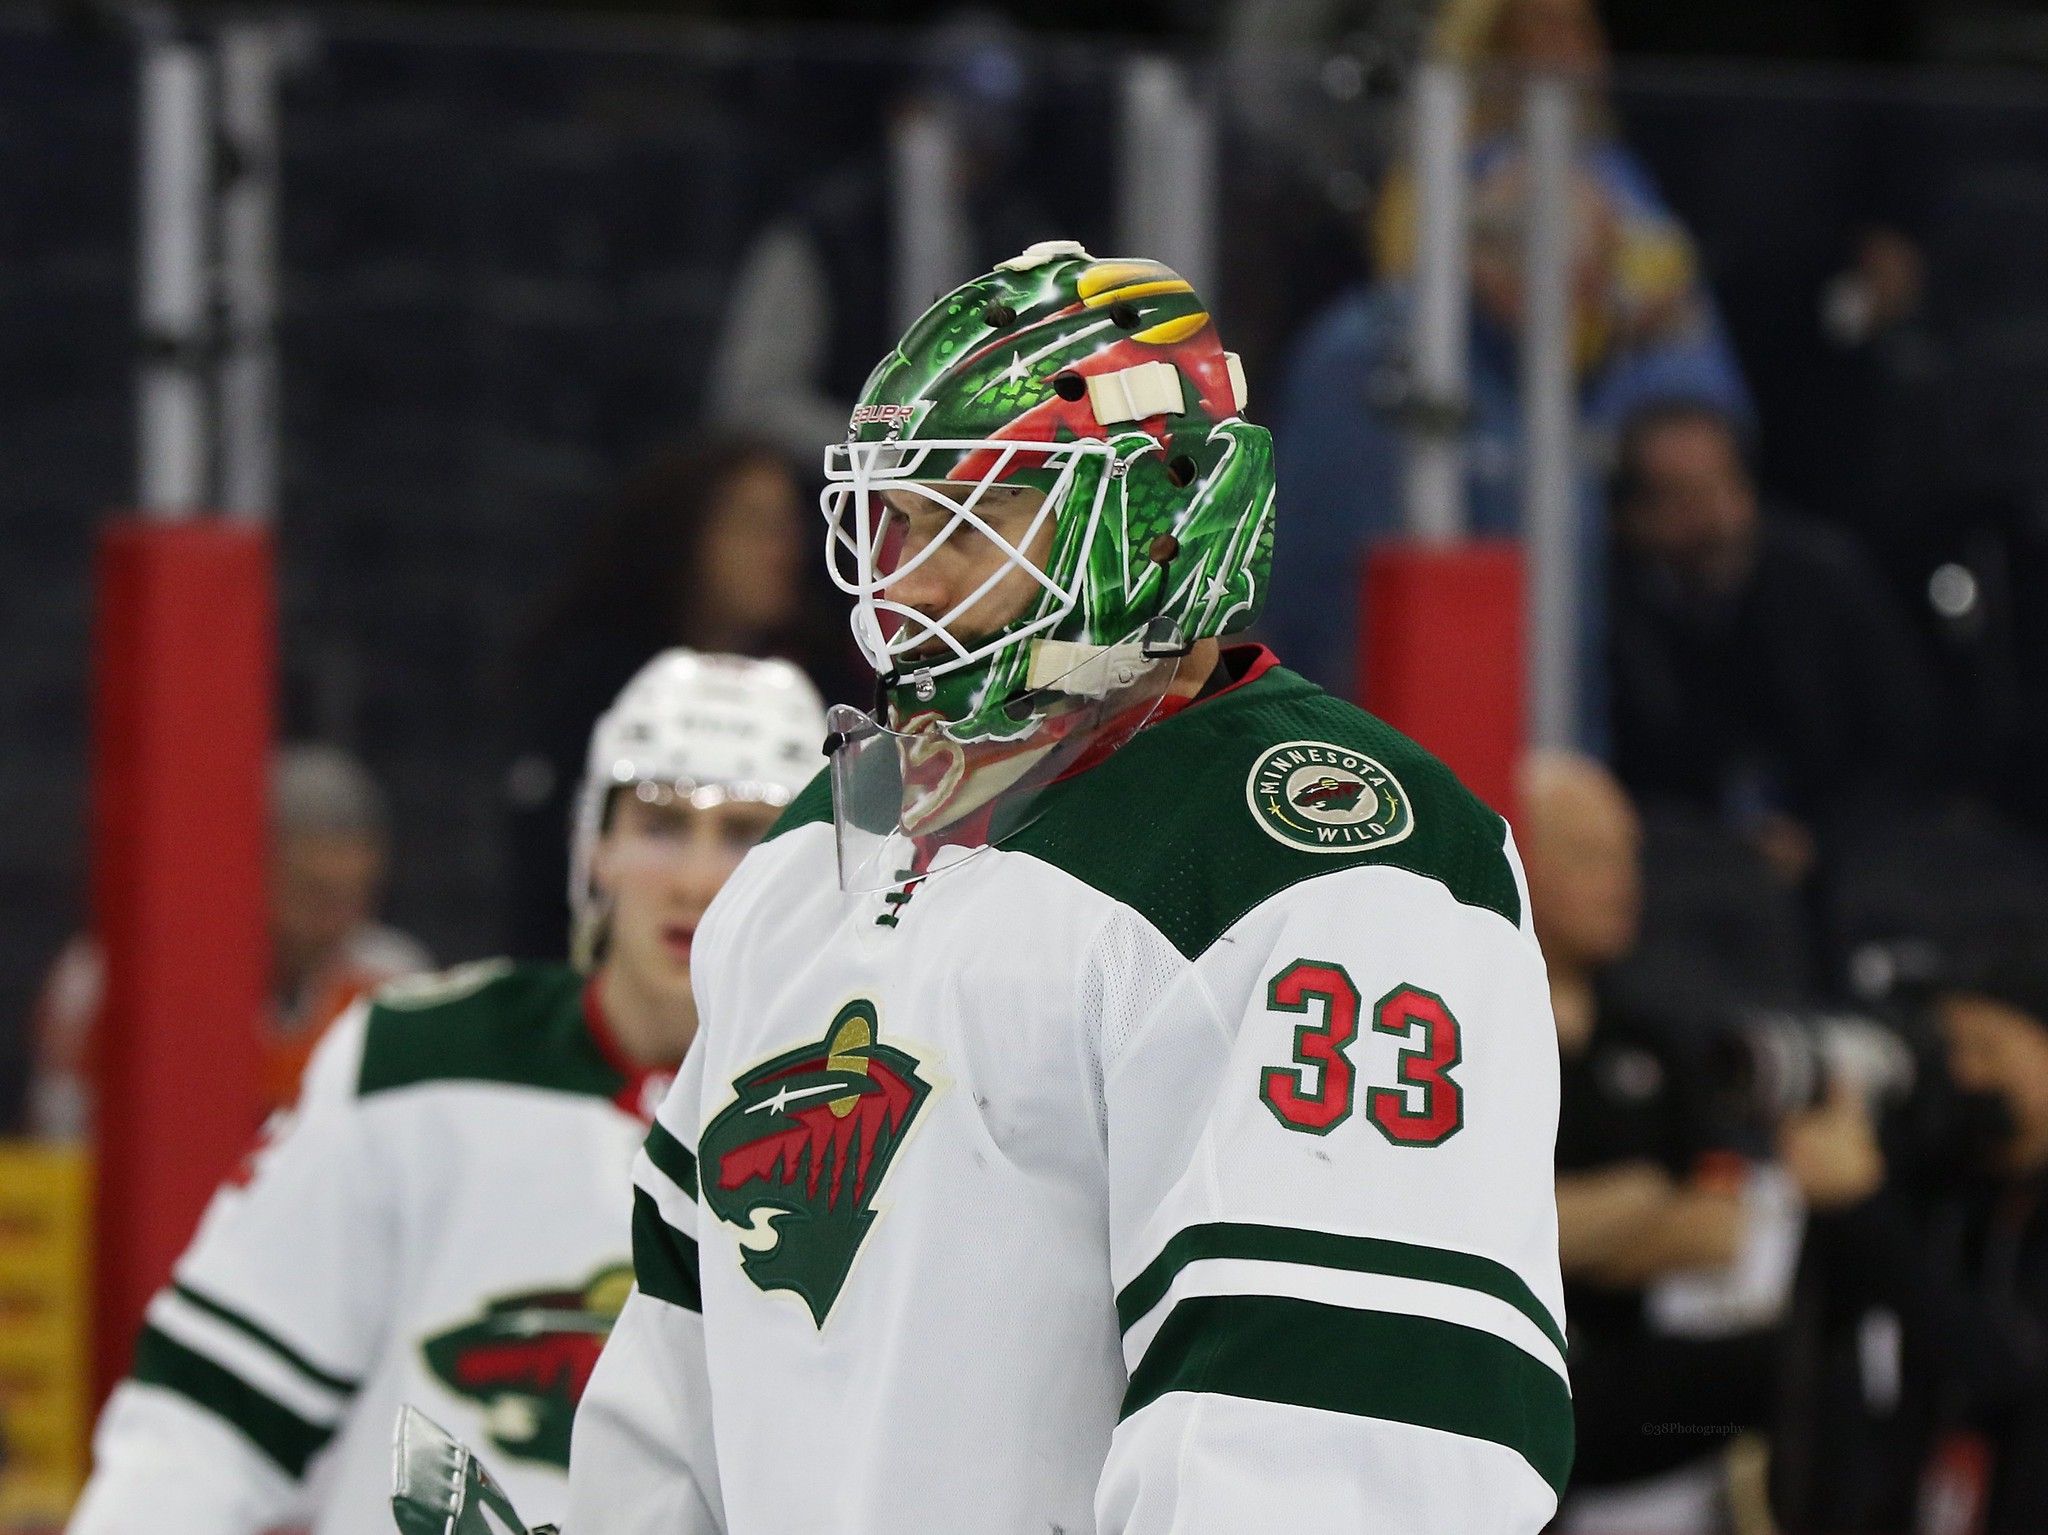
point(1560, 35)
point(1678, 1250)
point(328, 857)
point(706, 549)
point(821, 294)
point(1645, 328)
point(1957, 1250)
point(1758, 669)
point(1918, 431)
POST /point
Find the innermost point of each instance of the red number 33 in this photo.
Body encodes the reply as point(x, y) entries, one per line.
point(1429, 1050)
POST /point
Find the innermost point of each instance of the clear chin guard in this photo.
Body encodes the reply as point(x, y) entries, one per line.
point(909, 801)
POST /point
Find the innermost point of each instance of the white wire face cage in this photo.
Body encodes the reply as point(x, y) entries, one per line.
point(859, 534)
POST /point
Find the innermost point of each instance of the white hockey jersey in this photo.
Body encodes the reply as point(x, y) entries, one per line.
point(1183, 1164)
point(444, 1220)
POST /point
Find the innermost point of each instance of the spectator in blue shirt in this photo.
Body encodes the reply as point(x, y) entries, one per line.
point(1646, 331)
point(1342, 439)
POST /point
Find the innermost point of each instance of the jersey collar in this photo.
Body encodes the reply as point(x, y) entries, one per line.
point(641, 1087)
point(1236, 667)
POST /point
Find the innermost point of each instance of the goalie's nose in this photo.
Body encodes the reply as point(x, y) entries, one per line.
point(923, 587)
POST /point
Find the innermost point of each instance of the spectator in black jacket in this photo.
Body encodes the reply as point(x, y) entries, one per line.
point(1676, 1240)
point(1758, 667)
point(1960, 1253)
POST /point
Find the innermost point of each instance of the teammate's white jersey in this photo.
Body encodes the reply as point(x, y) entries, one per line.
point(1183, 1164)
point(444, 1220)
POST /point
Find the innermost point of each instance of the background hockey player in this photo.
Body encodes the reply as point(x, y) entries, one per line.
point(445, 1218)
point(1135, 1113)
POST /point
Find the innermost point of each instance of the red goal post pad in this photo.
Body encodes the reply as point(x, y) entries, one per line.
point(183, 644)
point(1441, 655)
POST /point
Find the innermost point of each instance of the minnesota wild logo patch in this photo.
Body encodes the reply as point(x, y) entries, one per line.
point(527, 1358)
point(1327, 799)
point(794, 1160)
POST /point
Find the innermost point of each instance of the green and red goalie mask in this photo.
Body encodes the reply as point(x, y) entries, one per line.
point(1101, 384)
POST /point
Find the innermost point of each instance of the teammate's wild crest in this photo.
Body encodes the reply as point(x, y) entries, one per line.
point(528, 1358)
point(795, 1159)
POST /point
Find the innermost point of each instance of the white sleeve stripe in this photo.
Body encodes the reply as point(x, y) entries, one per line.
point(1339, 1287)
point(1332, 1250)
point(677, 1207)
point(246, 1359)
point(251, 1328)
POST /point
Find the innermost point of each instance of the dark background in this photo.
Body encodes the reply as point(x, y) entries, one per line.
point(507, 240)
point(1849, 31)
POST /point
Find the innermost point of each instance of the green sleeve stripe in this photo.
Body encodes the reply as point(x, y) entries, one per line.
point(269, 1340)
point(1370, 1364)
point(281, 1434)
point(664, 1260)
point(677, 1162)
point(1323, 1249)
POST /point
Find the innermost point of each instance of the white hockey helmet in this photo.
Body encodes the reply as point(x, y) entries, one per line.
point(710, 728)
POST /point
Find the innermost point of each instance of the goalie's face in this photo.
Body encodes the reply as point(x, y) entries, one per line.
point(958, 554)
point(657, 866)
point(965, 566)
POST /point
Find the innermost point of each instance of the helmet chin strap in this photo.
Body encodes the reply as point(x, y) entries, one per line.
point(1096, 671)
point(1084, 671)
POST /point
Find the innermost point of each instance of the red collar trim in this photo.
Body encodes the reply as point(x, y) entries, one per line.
point(973, 831)
point(1258, 661)
point(644, 1086)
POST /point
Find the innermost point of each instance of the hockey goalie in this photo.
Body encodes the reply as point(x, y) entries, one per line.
point(1125, 1091)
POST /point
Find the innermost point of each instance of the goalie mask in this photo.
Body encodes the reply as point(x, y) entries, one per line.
point(1102, 386)
point(700, 729)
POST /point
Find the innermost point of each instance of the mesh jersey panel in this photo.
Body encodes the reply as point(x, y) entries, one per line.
point(1130, 968)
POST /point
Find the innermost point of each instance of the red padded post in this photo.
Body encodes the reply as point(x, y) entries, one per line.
point(1441, 655)
point(183, 646)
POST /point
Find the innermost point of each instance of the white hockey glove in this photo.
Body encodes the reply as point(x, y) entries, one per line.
point(439, 1487)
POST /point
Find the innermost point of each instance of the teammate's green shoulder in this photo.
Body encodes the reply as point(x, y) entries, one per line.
point(812, 803)
point(1199, 819)
point(491, 1021)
